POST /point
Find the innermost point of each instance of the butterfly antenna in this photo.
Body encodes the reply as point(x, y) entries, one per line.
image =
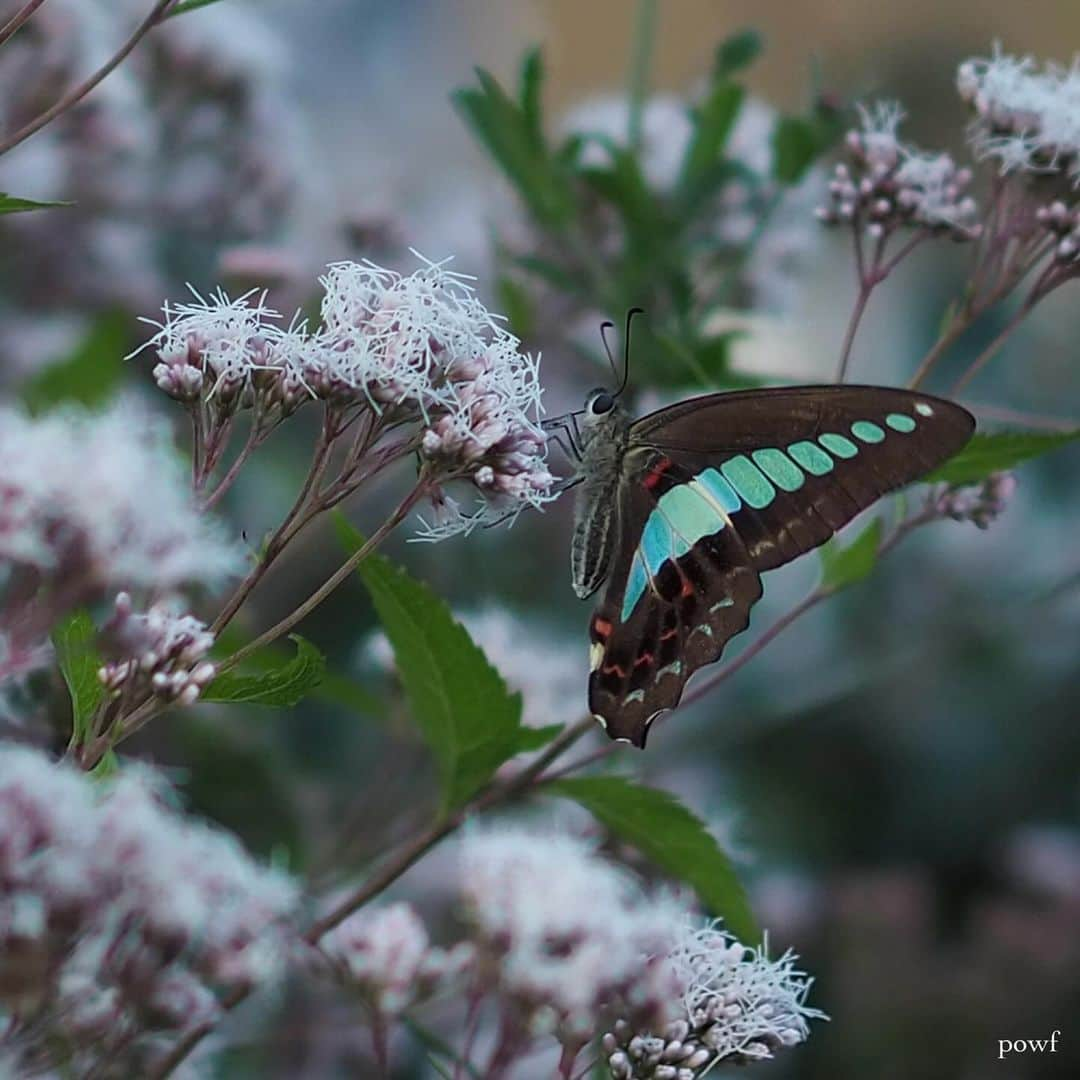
point(626, 348)
point(605, 326)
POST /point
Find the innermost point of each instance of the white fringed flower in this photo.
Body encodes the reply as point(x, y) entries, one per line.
point(739, 1006)
point(1026, 117)
point(386, 954)
point(565, 935)
point(119, 916)
point(159, 651)
point(93, 500)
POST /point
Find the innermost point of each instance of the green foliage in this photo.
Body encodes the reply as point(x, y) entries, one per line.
point(89, 376)
point(9, 204)
point(591, 194)
point(659, 826)
point(189, 5)
point(987, 454)
point(76, 653)
point(281, 687)
point(844, 566)
point(468, 717)
point(798, 141)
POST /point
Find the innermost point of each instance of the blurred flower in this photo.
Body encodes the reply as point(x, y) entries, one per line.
point(1026, 117)
point(119, 918)
point(547, 670)
point(740, 1007)
point(387, 955)
point(1062, 222)
point(887, 184)
point(160, 652)
point(191, 146)
point(563, 935)
point(982, 504)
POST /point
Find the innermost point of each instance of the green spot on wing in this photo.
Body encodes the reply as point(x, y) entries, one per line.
point(749, 482)
point(900, 422)
point(838, 445)
point(779, 468)
point(691, 514)
point(812, 458)
point(867, 432)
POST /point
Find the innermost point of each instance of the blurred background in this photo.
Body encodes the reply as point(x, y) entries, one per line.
point(897, 774)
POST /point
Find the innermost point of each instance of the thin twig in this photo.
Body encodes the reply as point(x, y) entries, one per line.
point(74, 96)
point(18, 19)
point(992, 349)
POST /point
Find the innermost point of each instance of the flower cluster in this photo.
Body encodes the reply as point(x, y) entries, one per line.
point(981, 505)
point(886, 184)
point(549, 674)
point(416, 348)
point(738, 1006)
point(564, 936)
point(119, 918)
point(1026, 118)
point(160, 652)
point(1062, 222)
point(385, 954)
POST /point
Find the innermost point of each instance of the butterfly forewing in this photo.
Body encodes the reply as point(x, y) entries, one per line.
point(716, 489)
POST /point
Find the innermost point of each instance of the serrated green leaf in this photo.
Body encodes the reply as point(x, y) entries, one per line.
point(736, 52)
point(986, 454)
point(844, 566)
point(76, 653)
point(10, 204)
point(468, 717)
point(280, 687)
point(89, 376)
point(662, 829)
point(713, 121)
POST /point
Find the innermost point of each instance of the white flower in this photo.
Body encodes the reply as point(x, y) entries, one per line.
point(738, 1007)
point(386, 953)
point(1026, 117)
point(160, 652)
point(566, 935)
point(93, 500)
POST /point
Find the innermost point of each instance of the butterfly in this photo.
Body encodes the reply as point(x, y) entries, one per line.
point(679, 512)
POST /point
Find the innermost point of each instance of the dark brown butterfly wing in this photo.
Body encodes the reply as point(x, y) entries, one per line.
point(718, 488)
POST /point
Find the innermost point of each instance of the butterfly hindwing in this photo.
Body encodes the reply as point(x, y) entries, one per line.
point(716, 489)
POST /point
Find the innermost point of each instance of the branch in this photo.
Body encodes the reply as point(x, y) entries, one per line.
point(74, 96)
point(18, 19)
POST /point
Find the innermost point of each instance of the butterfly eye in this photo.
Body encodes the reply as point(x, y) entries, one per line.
point(601, 402)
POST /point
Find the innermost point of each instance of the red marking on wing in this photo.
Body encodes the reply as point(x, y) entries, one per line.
point(601, 627)
point(643, 659)
point(687, 587)
point(667, 635)
point(608, 669)
point(656, 473)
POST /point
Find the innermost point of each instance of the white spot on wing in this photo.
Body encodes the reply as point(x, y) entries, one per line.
point(923, 409)
point(596, 654)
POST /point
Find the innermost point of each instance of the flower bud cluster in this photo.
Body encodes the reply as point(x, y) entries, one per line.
point(1024, 116)
point(386, 955)
point(738, 1007)
point(1063, 222)
point(119, 918)
point(886, 184)
point(161, 653)
point(981, 505)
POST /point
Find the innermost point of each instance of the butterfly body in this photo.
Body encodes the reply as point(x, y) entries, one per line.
point(680, 511)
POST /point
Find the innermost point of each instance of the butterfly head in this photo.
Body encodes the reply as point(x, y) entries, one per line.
point(602, 418)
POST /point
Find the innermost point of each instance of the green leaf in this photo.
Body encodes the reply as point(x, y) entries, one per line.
point(468, 718)
point(89, 376)
point(282, 687)
point(107, 767)
point(795, 147)
point(516, 304)
point(10, 204)
point(736, 52)
point(536, 738)
point(659, 826)
point(189, 5)
point(623, 184)
point(987, 454)
point(713, 121)
point(844, 566)
point(532, 80)
point(76, 653)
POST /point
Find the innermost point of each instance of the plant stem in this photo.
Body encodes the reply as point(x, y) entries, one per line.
point(75, 95)
point(641, 51)
point(865, 289)
point(992, 349)
point(18, 19)
point(333, 581)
